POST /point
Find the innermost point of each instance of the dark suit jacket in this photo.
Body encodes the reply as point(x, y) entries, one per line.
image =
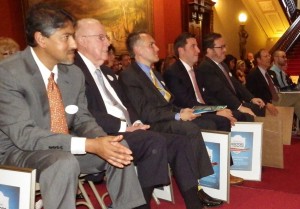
point(24, 115)
point(179, 82)
point(257, 85)
point(152, 107)
point(96, 106)
point(215, 88)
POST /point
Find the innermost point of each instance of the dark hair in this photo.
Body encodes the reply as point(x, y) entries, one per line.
point(131, 41)
point(45, 18)
point(258, 54)
point(112, 48)
point(123, 55)
point(208, 41)
point(180, 41)
point(229, 58)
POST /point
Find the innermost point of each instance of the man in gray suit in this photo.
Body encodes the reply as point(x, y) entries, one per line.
point(25, 137)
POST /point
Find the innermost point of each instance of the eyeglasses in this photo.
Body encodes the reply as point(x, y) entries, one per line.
point(283, 56)
point(219, 47)
point(101, 37)
point(266, 56)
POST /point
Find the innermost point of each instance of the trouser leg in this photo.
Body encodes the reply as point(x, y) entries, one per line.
point(57, 173)
point(122, 184)
point(150, 157)
point(182, 161)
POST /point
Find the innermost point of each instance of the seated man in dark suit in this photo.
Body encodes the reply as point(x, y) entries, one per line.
point(261, 84)
point(45, 123)
point(219, 87)
point(152, 100)
point(180, 79)
point(112, 110)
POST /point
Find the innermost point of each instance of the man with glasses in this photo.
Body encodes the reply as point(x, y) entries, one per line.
point(114, 113)
point(278, 70)
point(219, 87)
point(263, 84)
point(153, 102)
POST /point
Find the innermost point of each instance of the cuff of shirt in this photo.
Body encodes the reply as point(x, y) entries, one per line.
point(239, 107)
point(137, 122)
point(78, 145)
point(177, 116)
point(123, 126)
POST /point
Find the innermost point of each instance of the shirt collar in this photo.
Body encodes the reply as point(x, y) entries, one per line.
point(43, 69)
point(187, 67)
point(144, 67)
point(91, 67)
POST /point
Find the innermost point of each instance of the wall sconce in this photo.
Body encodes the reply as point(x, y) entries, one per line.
point(243, 35)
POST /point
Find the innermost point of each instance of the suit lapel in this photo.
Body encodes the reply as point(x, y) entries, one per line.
point(90, 83)
point(38, 82)
point(220, 73)
point(147, 82)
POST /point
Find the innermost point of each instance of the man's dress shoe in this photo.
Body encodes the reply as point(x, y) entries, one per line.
point(207, 200)
point(235, 180)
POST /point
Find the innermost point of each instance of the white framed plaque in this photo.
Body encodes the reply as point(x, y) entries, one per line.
point(217, 145)
point(17, 187)
point(246, 150)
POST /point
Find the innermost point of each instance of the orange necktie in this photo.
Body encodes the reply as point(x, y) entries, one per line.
point(57, 110)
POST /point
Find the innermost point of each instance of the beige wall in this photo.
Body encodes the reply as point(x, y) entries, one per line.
point(226, 22)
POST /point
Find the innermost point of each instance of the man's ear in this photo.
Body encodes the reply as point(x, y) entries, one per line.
point(40, 39)
point(180, 50)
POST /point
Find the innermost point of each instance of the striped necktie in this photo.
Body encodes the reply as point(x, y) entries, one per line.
point(164, 92)
point(57, 110)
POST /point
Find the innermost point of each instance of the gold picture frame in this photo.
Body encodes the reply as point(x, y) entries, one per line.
point(119, 17)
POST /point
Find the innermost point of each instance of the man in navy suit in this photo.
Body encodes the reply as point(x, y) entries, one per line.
point(152, 100)
point(112, 110)
point(180, 79)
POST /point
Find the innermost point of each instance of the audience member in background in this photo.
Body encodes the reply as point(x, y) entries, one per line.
point(112, 62)
point(230, 61)
point(250, 62)
point(218, 87)
point(180, 79)
point(262, 85)
point(8, 47)
point(110, 114)
point(154, 103)
point(125, 61)
point(45, 123)
point(240, 71)
point(278, 70)
point(169, 60)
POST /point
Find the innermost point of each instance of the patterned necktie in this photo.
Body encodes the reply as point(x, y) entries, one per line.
point(111, 97)
point(195, 86)
point(272, 88)
point(57, 110)
point(227, 76)
point(164, 92)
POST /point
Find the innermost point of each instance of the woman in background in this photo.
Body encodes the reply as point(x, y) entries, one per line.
point(8, 47)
